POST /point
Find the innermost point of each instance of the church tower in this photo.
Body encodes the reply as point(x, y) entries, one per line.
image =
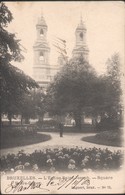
point(80, 45)
point(41, 66)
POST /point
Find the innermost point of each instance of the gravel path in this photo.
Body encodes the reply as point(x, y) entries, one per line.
point(68, 140)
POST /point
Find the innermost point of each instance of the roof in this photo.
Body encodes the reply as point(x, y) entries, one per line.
point(81, 25)
point(41, 21)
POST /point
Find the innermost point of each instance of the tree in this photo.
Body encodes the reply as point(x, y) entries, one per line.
point(114, 85)
point(15, 87)
point(27, 107)
point(107, 101)
point(33, 105)
point(14, 82)
point(40, 105)
point(72, 89)
point(114, 77)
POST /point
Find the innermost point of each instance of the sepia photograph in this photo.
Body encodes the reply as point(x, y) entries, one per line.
point(62, 97)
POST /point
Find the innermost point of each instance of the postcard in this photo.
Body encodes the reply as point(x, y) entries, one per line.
point(62, 97)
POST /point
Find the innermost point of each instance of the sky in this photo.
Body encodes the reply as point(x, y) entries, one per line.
point(104, 21)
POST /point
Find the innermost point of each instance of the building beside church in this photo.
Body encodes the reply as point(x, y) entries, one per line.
point(43, 71)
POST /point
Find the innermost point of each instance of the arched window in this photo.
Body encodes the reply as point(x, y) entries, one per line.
point(41, 32)
point(41, 57)
point(81, 36)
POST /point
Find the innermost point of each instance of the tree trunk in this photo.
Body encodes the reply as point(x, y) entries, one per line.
point(21, 120)
point(0, 121)
point(78, 120)
point(27, 121)
point(41, 118)
point(93, 121)
point(10, 120)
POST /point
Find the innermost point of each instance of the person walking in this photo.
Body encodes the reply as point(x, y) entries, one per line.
point(61, 129)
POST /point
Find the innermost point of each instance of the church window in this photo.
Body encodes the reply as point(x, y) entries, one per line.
point(41, 57)
point(41, 32)
point(81, 36)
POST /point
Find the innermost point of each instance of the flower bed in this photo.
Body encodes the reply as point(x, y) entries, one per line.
point(19, 130)
point(62, 159)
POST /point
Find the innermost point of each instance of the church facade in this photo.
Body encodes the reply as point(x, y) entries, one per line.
point(43, 71)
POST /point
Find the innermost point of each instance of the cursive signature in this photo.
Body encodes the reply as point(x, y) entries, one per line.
point(23, 186)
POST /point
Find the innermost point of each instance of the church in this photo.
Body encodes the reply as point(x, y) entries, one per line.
point(43, 70)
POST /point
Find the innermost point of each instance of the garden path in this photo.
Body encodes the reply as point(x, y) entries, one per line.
point(68, 140)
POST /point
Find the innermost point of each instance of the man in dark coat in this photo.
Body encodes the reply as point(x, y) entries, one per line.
point(61, 129)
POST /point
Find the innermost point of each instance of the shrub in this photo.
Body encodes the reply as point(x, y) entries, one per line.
point(108, 123)
point(20, 130)
point(47, 124)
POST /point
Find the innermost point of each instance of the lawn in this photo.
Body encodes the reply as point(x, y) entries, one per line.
point(108, 138)
point(14, 141)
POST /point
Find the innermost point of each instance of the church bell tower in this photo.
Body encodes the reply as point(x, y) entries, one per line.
point(80, 45)
point(41, 66)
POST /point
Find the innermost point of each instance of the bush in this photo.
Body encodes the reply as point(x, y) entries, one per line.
point(108, 123)
point(20, 130)
point(47, 124)
point(64, 159)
